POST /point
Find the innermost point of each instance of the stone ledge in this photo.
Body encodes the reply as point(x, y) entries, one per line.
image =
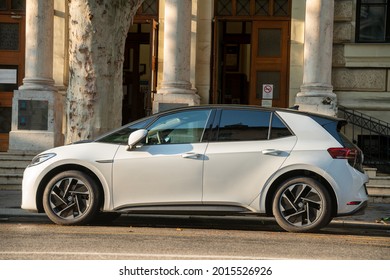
point(367, 55)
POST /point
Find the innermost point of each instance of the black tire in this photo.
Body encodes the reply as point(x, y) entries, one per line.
point(105, 217)
point(71, 198)
point(302, 204)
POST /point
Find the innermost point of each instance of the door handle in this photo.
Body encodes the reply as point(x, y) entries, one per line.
point(191, 155)
point(272, 152)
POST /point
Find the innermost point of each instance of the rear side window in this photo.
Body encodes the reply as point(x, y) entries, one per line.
point(278, 128)
point(244, 125)
point(332, 127)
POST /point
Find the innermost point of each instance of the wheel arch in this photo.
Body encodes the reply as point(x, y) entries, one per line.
point(67, 167)
point(296, 173)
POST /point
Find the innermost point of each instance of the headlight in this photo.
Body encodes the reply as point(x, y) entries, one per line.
point(41, 158)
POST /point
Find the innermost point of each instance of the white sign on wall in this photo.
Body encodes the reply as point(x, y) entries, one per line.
point(266, 103)
point(268, 91)
point(8, 76)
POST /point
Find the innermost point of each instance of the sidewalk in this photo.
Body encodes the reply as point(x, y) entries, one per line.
point(374, 217)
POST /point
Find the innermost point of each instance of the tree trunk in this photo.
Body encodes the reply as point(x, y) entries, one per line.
point(97, 36)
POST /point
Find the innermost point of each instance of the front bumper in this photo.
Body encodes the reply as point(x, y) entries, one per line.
point(29, 189)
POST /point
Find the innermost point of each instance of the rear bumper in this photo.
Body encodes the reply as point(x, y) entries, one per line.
point(358, 211)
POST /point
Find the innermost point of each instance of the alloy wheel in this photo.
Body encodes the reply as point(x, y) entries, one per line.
point(300, 205)
point(69, 198)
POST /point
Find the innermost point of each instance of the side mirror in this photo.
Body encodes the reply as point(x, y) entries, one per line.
point(136, 137)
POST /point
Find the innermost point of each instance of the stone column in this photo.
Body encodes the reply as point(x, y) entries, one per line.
point(36, 109)
point(175, 90)
point(316, 91)
point(39, 45)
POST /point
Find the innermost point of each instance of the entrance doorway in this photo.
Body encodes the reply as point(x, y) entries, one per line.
point(139, 70)
point(269, 64)
point(251, 52)
point(12, 45)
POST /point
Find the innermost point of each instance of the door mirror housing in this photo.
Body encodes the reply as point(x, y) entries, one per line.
point(136, 137)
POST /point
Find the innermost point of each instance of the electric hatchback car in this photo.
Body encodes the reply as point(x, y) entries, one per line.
point(206, 160)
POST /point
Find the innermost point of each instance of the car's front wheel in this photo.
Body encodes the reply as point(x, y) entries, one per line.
point(302, 204)
point(71, 198)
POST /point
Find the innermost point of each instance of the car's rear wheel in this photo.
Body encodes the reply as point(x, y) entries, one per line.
point(71, 198)
point(302, 204)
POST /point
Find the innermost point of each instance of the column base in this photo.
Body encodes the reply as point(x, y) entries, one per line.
point(31, 141)
point(167, 99)
point(36, 121)
point(320, 102)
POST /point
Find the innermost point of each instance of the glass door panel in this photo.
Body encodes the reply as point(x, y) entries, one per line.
point(269, 64)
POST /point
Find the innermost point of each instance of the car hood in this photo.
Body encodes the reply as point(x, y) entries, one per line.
point(86, 151)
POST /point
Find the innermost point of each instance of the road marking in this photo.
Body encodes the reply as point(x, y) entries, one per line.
point(142, 256)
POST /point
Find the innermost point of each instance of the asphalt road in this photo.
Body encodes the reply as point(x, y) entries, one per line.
point(181, 238)
point(143, 237)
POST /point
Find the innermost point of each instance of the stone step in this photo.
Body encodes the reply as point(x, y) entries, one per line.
point(370, 171)
point(378, 190)
point(378, 193)
point(16, 156)
point(12, 170)
point(383, 180)
point(12, 166)
point(11, 179)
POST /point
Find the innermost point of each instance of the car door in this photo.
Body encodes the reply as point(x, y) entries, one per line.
point(245, 153)
point(168, 167)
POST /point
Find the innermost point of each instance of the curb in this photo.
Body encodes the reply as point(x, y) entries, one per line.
point(359, 224)
point(18, 212)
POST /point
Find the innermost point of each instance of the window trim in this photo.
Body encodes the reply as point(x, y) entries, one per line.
point(215, 130)
point(207, 127)
point(359, 5)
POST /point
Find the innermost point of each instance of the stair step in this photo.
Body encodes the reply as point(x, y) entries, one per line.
point(378, 190)
point(16, 156)
point(11, 170)
point(380, 181)
point(12, 166)
point(11, 179)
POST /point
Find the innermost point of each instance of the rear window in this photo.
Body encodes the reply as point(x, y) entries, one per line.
point(332, 127)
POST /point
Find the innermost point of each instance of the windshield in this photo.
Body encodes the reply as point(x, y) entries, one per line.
point(121, 135)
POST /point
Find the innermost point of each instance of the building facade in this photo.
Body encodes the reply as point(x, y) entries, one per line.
point(317, 54)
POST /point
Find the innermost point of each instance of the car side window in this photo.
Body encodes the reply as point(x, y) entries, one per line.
point(178, 128)
point(121, 135)
point(278, 128)
point(244, 125)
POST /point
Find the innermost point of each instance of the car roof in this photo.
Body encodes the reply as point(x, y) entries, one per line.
point(293, 110)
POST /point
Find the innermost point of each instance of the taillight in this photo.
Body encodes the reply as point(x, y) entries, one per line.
point(343, 153)
point(353, 156)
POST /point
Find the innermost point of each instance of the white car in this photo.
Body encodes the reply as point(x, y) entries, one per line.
point(209, 160)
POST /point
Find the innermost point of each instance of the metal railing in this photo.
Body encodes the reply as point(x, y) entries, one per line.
point(371, 135)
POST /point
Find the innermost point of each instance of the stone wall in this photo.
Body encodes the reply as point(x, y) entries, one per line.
point(360, 75)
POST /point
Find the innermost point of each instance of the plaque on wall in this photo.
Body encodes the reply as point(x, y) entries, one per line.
point(33, 115)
